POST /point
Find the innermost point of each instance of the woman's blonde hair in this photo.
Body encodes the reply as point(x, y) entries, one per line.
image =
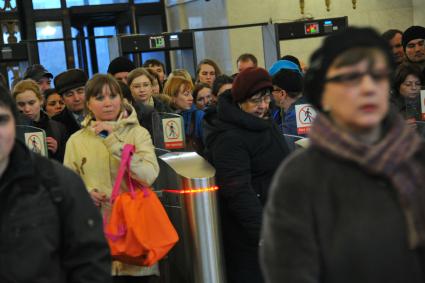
point(180, 73)
point(137, 73)
point(173, 84)
point(24, 85)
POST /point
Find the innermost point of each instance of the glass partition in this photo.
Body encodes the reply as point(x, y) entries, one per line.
point(51, 53)
point(43, 4)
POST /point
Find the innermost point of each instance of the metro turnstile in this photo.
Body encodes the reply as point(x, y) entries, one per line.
point(274, 33)
point(189, 195)
point(182, 43)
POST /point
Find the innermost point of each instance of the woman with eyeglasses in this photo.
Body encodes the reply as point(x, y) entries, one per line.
point(141, 84)
point(350, 208)
point(246, 150)
point(405, 96)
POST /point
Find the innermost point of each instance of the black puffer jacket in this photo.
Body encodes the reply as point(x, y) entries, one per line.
point(50, 230)
point(66, 118)
point(246, 151)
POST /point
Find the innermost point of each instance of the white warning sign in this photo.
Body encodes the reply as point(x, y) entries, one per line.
point(305, 115)
point(36, 142)
point(423, 104)
point(173, 133)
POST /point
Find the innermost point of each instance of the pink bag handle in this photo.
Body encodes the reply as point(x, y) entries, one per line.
point(126, 155)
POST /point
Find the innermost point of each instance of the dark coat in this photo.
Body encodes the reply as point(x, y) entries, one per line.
point(66, 118)
point(245, 151)
point(50, 230)
point(329, 221)
point(145, 115)
point(55, 130)
point(160, 106)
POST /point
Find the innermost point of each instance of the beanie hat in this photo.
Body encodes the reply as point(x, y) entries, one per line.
point(249, 82)
point(413, 32)
point(288, 80)
point(70, 79)
point(36, 72)
point(283, 64)
point(120, 64)
point(333, 46)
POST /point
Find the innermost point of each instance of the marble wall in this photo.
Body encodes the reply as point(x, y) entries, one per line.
point(202, 14)
point(419, 12)
point(226, 46)
point(380, 14)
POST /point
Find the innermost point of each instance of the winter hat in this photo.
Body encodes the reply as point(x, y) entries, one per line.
point(288, 80)
point(334, 45)
point(283, 64)
point(249, 82)
point(120, 64)
point(69, 80)
point(36, 72)
point(413, 32)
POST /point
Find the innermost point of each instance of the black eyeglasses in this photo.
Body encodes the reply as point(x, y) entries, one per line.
point(356, 77)
point(258, 100)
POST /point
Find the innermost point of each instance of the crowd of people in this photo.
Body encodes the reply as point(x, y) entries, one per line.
point(349, 208)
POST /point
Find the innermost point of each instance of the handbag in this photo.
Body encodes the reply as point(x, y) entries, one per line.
point(138, 230)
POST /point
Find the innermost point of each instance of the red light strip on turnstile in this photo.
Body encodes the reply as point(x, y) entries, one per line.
point(192, 191)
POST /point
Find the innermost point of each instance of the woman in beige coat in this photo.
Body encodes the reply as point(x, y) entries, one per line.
point(94, 152)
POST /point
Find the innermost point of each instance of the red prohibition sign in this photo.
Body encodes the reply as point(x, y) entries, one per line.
point(171, 130)
point(307, 117)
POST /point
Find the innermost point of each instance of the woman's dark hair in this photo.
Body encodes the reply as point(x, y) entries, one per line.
point(208, 62)
point(7, 102)
point(95, 85)
point(198, 88)
point(49, 92)
point(126, 92)
point(219, 82)
point(156, 77)
point(401, 73)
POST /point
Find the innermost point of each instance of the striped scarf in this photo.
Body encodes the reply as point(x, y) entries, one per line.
point(393, 157)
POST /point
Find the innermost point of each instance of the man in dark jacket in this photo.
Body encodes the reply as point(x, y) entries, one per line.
point(287, 92)
point(245, 149)
point(414, 46)
point(50, 230)
point(70, 85)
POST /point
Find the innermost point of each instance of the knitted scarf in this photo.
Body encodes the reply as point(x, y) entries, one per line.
point(393, 157)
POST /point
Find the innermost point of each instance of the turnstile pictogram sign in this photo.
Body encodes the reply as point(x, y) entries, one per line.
point(305, 115)
point(173, 133)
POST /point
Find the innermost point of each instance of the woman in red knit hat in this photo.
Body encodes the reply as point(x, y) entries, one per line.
point(246, 150)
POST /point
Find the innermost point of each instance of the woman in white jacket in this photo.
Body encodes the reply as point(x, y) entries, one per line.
point(94, 152)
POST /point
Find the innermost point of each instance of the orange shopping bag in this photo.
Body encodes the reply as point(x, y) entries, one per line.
point(138, 230)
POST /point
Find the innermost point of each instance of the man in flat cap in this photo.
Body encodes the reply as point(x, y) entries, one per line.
point(414, 46)
point(70, 85)
point(39, 74)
